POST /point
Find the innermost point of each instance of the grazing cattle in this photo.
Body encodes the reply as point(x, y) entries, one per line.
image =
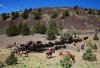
point(38, 42)
point(85, 38)
point(9, 46)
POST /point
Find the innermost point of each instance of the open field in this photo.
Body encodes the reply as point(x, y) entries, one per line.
point(39, 60)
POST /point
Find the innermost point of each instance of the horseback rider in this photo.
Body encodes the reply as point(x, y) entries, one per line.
point(82, 45)
point(49, 50)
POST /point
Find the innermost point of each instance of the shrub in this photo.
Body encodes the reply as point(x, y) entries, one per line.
point(60, 26)
point(95, 37)
point(54, 15)
point(66, 62)
point(20, 26)
point(25, 30)
point(1, 65)
point(43, 29)
point(85, 9)
point(11, 30)
point(89, 56)
point(37, 14)
point(90, 11)
point(65, 14)
point(11, 59)
point(98, 13)
point(53, 27)
point(50, 35)
point(94, 47)
point(77, 12)
point(64, 36)
point(39, 28)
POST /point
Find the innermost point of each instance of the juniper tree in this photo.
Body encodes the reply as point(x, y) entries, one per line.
point(25, 30)
point(11, 30)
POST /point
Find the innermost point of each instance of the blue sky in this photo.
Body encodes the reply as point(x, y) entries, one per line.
point(16, 5)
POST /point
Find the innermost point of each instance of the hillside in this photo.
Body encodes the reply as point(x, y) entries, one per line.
point(78, 18)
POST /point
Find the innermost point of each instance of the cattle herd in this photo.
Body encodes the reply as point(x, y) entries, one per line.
point(38, 46)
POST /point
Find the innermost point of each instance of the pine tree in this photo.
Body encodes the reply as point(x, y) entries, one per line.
point(5, 16)
point(52, 31)
point(43, 29)
point(11, 30)
point(53, 26)
point(20, 26)
point(30, 9)
point(39, 28)
point(85, 9)
point(11, 59)
point(25, 30)
point(14, 15)
point(75, 7)
point(25, 14)
point(37, 14)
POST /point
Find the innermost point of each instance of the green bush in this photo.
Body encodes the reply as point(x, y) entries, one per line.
point(89, 56)
point(1, 65)
point(11, 59)
point(94, 47)
point(65, 36)
point(60, 26)
point(95, 37)
point(90, 11)
point(25, 30)
point(50, 35)
point(39, 28)
point(98, 13)
point(66, 62)
point(65, 14)
point(53, 27)
point(77, 12)
point(37, 14)
point(20, 26)
point(11, 30)
point(54, 15)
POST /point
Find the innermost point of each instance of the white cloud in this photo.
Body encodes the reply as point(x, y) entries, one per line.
point(2, 5)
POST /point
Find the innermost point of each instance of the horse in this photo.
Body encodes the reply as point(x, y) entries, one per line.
point(49, 53)
point(68, 54)
point(9, 46)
